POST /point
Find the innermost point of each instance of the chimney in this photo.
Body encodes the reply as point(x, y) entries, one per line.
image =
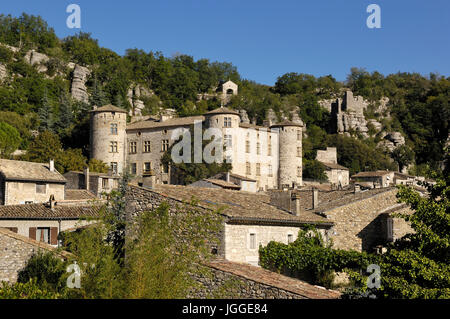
point(51, 202)
point(227, 176)
point(86, 178)
point(357, 188)
point(295, 203)
point(315, 198)
point(52, 165)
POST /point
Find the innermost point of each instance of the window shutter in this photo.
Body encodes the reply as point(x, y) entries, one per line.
point(32, 232)
point(54, 235)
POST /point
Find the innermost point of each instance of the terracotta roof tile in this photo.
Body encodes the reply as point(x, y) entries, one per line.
point(270, 278)
point(109, 108)
point(42, 211)
point(78, 194)
point(238, 206)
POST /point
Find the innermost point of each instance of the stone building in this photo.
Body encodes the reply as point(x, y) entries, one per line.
point(271, 155)
point(338, 175)
point(43, 222)
point(26, 182)
point(96, 183)
point(249, 219)
point(374, 179)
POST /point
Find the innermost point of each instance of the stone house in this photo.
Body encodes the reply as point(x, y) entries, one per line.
point(26, 182)
point(96, 183)
point(249, 219)
point(15, 250)
point(363, 220)
point(338, 175)
point(374, 179)
point(43, 222)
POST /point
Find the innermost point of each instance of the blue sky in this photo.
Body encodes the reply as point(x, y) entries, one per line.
point(266, 39)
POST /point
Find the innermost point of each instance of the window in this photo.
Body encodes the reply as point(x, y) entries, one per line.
point(270, 170)
point(164, 132)
point(164, 145)
point(105, 183)
point(133, 147)
point(299, 171)
point(252, 242)
point(41, 188)
point(227, 121)
point(290, 238)
point(248, 168)
point(113, 129)
point(147, 147)
point(164, 168)
point(258, 169)
point(228, 140)
point(113, 166)
point(299, 135)
point(269, 149)
point(43, 234)
point(113, 147)
point(258, 148)
point(133, 169)
point(299, 152)
point(147, 167)
point(247, 146)
point(28, 202)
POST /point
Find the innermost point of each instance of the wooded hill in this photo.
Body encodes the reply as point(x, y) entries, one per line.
point(38, 96)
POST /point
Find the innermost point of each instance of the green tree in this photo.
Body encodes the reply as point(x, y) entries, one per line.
point(9, 139)
point(98, 166)
point(313, 169)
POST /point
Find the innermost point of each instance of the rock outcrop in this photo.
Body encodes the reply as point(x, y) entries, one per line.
point(244, 116)
point(3, 72)
point(78, 89)
point(134, 96)
point(392, 140)
point(35, 58)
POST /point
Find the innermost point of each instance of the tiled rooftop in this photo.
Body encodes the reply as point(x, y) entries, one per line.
point(237, 205)
point(29, 171)
point(177, 121)
point(269, 278)
point(78, 194)
point(42, 211)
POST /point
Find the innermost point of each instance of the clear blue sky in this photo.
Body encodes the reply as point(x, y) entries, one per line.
point(266, 39)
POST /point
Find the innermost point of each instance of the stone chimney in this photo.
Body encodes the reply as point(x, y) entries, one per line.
point(227, 176)
point(357, 188)
point(86, 178)
point(51, 202)
point(52, 165)
point(315, 198)
point(295, 203)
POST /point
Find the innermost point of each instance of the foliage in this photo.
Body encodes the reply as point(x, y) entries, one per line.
point(97, 166)
point(310, 258)
point(313, 169)
point(9, 139)
point(29, 290)
point(47, 146)
point(46, 270)
point(187, 173)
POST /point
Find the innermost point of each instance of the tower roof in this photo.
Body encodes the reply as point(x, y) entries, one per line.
point(222, 110)
point(109, 108)
point(287, 123)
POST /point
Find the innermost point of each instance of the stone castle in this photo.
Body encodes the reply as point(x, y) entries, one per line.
point(270, 154)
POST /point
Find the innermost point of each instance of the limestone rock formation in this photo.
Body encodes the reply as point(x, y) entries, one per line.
point(377, 125)
point(3, 72)
point(35, 58)
point(134, 96)
point(392, 140)
point(78, 89)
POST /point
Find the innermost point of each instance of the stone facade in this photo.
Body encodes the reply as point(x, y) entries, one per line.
point(15, 250)
point(238, 281)
point(362, 224)
point(17, 192)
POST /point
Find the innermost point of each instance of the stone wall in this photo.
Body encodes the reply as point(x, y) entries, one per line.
point(22, 192)
point(327, 156)
point(360, 225)
point(15, 251)
point(221, 284)
point(139, 200)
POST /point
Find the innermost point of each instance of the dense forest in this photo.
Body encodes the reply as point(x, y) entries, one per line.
point(38, 110)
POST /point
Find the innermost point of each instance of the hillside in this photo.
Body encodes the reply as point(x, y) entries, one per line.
point(48, 84)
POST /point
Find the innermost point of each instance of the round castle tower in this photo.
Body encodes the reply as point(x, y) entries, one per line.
point(108, 136)
point(290, 154)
